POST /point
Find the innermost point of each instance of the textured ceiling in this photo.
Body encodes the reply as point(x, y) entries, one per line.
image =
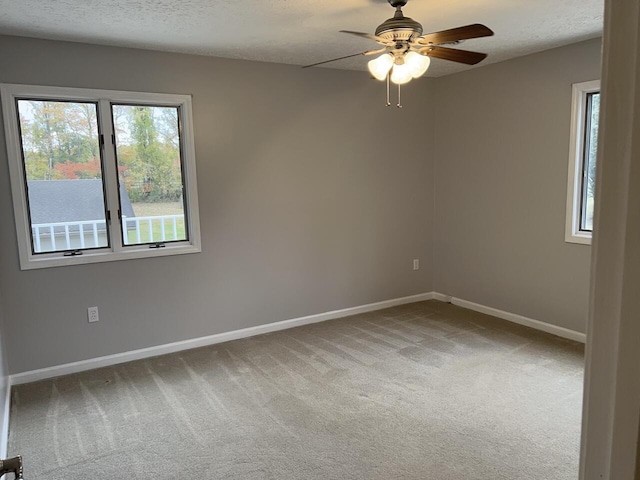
point(298, 32)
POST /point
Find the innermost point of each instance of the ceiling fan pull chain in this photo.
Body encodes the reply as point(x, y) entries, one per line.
point(388, 90)
point(399, 105)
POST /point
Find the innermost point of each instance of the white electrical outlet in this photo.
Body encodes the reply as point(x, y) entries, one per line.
point(92, 314)
point(416, 264)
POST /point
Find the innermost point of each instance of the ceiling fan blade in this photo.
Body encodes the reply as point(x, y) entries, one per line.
point(467, 32)
point(368, 52)
point(363, 35)
point(454, 55)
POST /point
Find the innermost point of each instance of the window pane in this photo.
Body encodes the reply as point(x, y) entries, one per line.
point(589, 165)
point(63, 170)
point(150, 171)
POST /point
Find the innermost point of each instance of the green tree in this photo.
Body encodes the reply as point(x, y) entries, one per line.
point(151, 172)
point(57, 133)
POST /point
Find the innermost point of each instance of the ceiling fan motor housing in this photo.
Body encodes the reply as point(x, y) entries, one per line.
point(399, 28)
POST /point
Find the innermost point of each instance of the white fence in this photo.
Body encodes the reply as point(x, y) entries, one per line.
point(51, 237)
point(61, 236)
point(135, 223)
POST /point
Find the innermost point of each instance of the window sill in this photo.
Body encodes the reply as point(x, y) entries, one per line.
point(59, 260)
point(579, 238)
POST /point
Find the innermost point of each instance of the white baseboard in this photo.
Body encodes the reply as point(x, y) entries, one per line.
point(512, 317)
point(93, 363)
point(442, 297)
point(4, 432)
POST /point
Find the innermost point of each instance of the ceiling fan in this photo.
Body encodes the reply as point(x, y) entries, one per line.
point(406, 51)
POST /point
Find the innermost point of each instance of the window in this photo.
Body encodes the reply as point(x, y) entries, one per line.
point(582, 162)
point(100, 175)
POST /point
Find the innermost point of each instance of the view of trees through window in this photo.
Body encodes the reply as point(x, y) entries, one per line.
point(63, 166)
point(150, 168)
point(59, 140)
point(61, 152)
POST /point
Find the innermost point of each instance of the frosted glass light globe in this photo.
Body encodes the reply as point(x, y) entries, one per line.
point(401, 74)
point(379, 67)
point(419, 64)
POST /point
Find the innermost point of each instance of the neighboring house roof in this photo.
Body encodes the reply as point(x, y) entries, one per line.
point(54, 201)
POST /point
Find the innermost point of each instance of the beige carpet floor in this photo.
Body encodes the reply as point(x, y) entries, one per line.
point(426, 391)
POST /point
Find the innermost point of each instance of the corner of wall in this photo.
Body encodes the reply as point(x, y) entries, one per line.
point(496, 183)
point(435, 85)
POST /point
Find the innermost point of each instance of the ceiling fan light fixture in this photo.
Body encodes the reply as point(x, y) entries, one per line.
point(406, 51)
point(401, 74)
point(419, 64)
point(379, 67)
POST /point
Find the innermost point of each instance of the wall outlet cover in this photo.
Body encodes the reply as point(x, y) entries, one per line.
point(92, 314)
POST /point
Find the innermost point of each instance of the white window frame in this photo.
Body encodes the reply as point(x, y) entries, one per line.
point(573, 233)
point(104, 99)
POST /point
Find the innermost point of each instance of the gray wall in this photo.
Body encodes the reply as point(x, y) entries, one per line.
point(308, 202)
point(501, 177)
